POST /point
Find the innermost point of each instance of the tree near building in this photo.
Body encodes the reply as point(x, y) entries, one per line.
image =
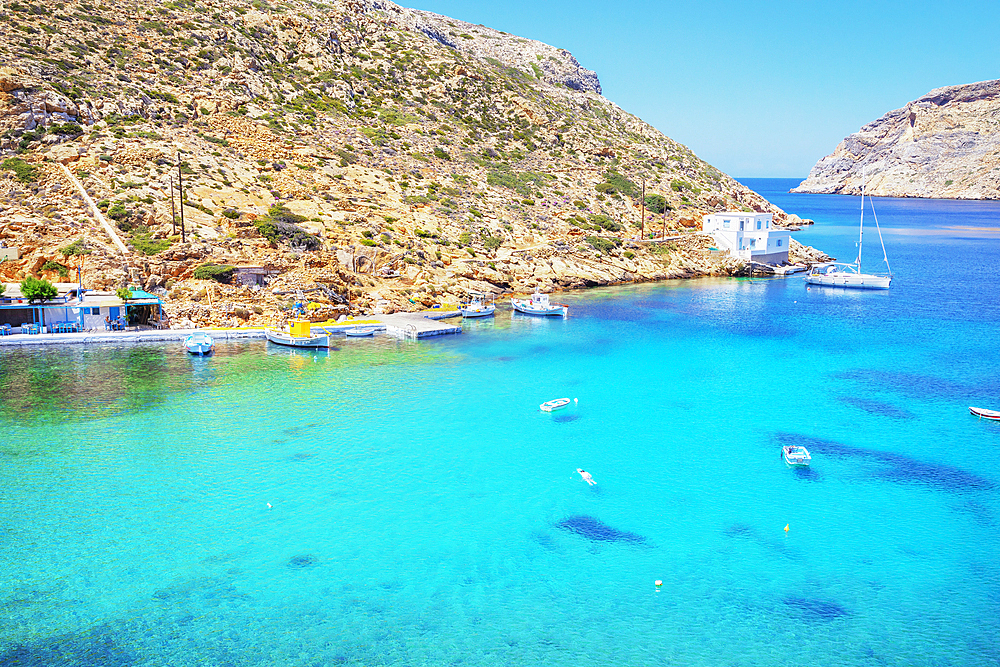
point(34, 289)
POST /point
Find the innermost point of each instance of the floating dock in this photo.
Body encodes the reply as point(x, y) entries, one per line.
point(419, 325)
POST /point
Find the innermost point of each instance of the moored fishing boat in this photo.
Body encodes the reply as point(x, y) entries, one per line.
point(795, 455)
point(299, 334)
point(358, 332)
point(554, 404)
point(199, 343)
point(538, 304)
point(983, 413)
point(480, 305)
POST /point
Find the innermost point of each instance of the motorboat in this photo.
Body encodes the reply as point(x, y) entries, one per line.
point(480, 305)
point(359, 332)
point(199, 343)
point(299, 334)
point(538, 304)
point(833, 274)
point(983, 413)
point(554, 404)
point(795, 455)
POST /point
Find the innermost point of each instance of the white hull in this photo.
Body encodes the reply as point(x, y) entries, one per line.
point(847, 279)
point(360, 332)
point(484, 311)
point(199, 344)
point(282, 338)
point(983, 413)
point(555, 404)
point(795, 455)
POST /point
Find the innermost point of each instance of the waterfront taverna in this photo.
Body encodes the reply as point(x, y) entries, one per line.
point(94, 310)
point(749, 236)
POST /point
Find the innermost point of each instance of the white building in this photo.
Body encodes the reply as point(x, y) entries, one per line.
point(749, 236)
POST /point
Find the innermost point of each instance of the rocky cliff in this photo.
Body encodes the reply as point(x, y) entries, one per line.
point(363, 152)
point(944, 145)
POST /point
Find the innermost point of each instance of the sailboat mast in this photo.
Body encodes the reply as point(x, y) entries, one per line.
point(861, 227)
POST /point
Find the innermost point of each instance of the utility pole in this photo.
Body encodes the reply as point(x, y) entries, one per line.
point(664, 235)
point(173, 211)
point(642, 223)
point(180, 186)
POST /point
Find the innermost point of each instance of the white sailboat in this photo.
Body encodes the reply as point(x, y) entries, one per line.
point(850, 275)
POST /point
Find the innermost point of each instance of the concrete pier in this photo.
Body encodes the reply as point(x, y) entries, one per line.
point(401, 325)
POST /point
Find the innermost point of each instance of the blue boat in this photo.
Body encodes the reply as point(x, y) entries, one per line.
point(199, 343)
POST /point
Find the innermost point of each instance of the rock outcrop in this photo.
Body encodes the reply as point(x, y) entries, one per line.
point(944, 145)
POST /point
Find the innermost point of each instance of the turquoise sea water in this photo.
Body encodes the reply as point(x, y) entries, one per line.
point(401, 503)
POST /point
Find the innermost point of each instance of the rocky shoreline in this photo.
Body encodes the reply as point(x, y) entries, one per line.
point(358, 155)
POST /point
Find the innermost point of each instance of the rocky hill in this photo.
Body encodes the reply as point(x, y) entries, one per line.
point(361, 152)
point(944, 145)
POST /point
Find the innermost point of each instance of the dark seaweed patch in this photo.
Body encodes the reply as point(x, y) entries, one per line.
point(740, 530)
point(302, 561)
point(593, 529)
point(95, 648)
point(807, 473)
point(878, 407)
point(301, 456)
point(898, 467)
point(563, 419)
point(816, 610)
point(911, 384)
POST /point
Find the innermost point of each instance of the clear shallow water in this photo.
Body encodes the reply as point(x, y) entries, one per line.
point(422, 507)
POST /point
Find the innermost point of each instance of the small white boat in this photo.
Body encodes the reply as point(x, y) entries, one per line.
point(554, 404)
point(299, 334)
point(983, 413)
point(539, 304)
point(480, 305)
point(795, 455)
point(359, 332)
point(199, 343)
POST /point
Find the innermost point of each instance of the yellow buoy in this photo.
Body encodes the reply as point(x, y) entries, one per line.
point(786, 527)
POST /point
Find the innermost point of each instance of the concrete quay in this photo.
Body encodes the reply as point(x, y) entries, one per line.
point(401, 325)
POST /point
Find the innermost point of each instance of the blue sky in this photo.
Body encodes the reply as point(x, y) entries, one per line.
point(758, 89)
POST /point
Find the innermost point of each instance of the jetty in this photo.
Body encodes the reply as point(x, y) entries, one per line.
point(411, 326)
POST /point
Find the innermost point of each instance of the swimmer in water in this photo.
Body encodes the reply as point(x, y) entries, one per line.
point(586, 477)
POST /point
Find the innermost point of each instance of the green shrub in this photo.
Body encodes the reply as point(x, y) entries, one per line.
point(123, 293)
point(465, 238)
point(629, 254)
point(231, 213)
point(604, 222)
point(34, 289)
point(279, 225)
point(616, 183)
point(220, 273)
point(492, 242)
point(66, 128)
point(118, 212)
point(422, 234)
point(657, 203)
point(368, 242)
point(75, 248)
point(25, 173)
point(440, 154)
point(602, 244)
point(52, 265)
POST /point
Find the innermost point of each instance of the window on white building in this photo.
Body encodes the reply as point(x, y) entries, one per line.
point(725, 224)
point(758, 224)
point(779, 243)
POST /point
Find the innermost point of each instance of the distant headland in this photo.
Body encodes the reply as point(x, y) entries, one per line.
point(944, 145)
